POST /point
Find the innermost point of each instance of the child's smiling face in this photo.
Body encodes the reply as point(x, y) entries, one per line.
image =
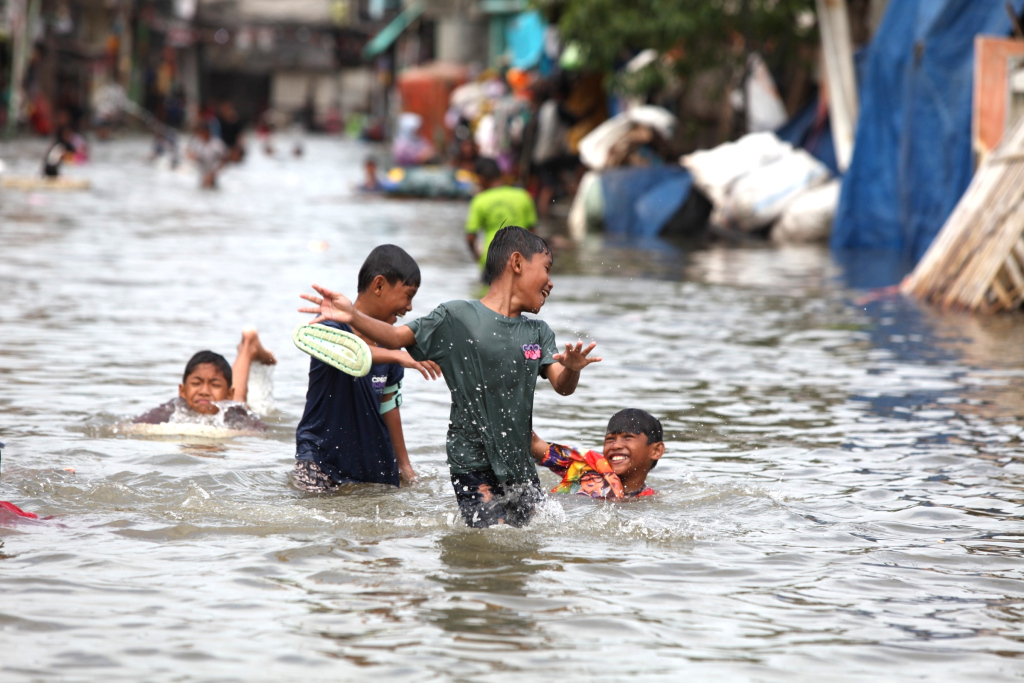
point(204, 387)
point(396, 300)
point(630, 454)
point(535, 281)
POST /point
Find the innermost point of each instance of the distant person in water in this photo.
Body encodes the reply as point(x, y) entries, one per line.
point(409, 149)
point(63, 149)
point(210, 385)
point(231, 127)
point(370, 181)
point(209, 154)
point(495, 207)
point(633, 445)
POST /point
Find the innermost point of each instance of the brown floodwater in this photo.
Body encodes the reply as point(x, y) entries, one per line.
point(841, 497)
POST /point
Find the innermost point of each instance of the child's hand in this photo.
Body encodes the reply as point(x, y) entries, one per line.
point(332, 306)
point(428, 368)
point(575, 359)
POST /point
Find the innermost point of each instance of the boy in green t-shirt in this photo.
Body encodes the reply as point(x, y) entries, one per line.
point(490, 356)
point(495, 207)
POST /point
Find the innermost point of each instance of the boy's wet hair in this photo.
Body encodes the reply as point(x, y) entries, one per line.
point(487, 169)
point(508, 241)
point(215, 359)
point(636, 421)
point(394, 263)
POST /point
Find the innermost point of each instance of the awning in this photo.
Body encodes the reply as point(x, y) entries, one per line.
point(382, 41)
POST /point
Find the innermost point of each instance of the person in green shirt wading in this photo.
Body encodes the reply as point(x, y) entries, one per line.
point(495, 207)
point(490, 356)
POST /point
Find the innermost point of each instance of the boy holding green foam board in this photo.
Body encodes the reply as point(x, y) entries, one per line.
point(351, 427)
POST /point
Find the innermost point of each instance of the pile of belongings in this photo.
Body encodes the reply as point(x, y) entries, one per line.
point(633, 186)
point(761, 183)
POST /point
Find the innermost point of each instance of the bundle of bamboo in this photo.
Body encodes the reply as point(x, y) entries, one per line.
point(976, 262)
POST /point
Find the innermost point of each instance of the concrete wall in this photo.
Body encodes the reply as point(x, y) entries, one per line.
point(462, 39)
point(349, 88)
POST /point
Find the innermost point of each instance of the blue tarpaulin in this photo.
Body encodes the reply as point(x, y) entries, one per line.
point(640, 201)
point(912, 159)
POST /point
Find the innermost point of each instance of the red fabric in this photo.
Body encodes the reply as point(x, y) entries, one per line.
point(11, 507)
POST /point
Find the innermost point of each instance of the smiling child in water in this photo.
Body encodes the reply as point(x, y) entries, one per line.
point(209, 384)
point(491, 356)
point(633, 445)
point(351, 427)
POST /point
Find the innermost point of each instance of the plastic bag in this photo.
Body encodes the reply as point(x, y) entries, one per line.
point(715, 170)
point(809, 217)
point(759, 198)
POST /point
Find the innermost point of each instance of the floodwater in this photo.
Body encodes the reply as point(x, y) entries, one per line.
point(841, 497)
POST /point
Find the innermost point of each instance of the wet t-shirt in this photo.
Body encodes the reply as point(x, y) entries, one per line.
point(490, 364)
point(341, 429)
point(496, 208)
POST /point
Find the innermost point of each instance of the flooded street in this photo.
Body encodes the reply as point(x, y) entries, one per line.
point(842, 496)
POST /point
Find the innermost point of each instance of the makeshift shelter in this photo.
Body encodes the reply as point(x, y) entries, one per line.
point(977, 261)
point(912, 159)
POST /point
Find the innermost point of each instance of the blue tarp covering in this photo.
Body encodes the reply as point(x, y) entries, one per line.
point(912, 159)
point(639, 201)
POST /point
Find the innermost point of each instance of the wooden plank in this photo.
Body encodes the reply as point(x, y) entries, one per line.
point(990, 102)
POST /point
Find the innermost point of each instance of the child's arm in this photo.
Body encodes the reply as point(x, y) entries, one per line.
point(564, 375)
point(249, 349)
point(538, 447)
point(336, 306)
point(553, 456)
point(428, 368)
point(393, 419)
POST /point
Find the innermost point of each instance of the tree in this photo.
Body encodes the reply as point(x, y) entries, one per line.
point(698, 34)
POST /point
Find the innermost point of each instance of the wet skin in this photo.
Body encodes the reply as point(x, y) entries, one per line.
point(535, 284)
point(392, 302)
point(631, 457)
point(203, 388)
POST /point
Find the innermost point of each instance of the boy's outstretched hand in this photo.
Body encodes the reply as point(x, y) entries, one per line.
point(328, 306)
point(564, 374)
point(575, 358)
point(428, 368)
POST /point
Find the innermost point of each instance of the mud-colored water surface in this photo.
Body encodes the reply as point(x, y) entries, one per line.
point(841, 497)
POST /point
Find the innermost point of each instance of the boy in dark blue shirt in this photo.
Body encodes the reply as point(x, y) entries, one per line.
point(351, 428)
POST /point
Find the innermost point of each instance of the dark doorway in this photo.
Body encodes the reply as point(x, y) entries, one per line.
point(250, 93)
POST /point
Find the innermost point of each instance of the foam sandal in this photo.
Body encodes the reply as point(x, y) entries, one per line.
point(339, 349)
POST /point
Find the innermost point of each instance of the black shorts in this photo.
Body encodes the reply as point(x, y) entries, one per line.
point(484, 502)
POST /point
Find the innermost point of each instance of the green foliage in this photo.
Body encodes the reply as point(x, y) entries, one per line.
point(699, 33)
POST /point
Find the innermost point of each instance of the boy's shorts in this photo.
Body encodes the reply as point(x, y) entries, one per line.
point(308, 476)
point(484, 502)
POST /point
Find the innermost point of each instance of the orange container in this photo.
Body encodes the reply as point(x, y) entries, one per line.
point(425, 90)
